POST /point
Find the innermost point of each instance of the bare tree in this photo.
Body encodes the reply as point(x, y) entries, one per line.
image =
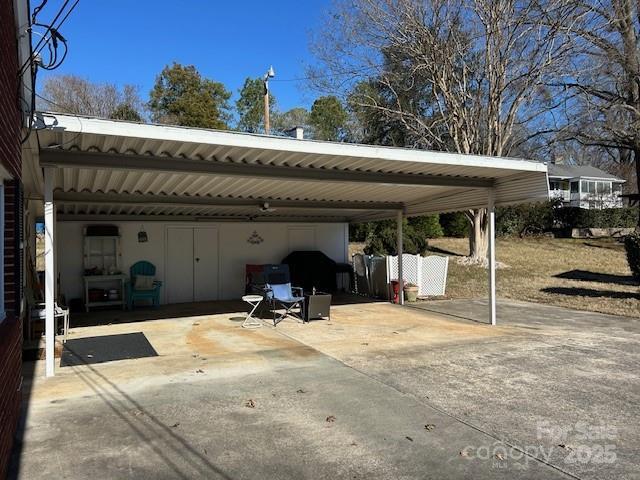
point(606, 78)
point(73, 94)
point(468, 76)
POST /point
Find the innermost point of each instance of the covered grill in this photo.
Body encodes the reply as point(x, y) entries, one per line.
point(313, 268)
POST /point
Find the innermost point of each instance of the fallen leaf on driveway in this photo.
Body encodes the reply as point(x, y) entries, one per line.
point(566, 447)
point(364, 343)
point(464, 453)
point(250, 404)
point(300, 391)
point(499, 456)
point(175, 425)
point(331, 418)
point(409, 438)
point(195, 324)
point(429, 426)
point(199, 370)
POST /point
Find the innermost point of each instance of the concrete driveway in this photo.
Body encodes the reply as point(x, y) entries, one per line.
point(381, 392)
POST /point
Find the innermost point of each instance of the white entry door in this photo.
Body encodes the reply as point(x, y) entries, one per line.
point(179, 277)
point(205, 273)
point(192, 264)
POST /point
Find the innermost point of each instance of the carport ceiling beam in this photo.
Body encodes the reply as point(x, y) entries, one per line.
point(92, 217)
point(109, 161)
point(182, 201)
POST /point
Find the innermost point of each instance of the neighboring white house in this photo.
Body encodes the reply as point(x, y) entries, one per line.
point(584, 186)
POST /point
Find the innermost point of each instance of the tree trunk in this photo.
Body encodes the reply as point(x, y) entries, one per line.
point(478, 235)
point(636, 159)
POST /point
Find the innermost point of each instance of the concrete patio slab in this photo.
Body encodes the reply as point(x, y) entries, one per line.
point(345, 399)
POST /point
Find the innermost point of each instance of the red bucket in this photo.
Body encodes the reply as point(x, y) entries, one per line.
point(395, 288)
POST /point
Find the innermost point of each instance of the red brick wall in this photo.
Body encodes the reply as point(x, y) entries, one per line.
point(11, 326)
point(9, 112)
point(10, 382)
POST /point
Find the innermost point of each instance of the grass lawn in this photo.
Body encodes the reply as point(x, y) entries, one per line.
point(581, 274)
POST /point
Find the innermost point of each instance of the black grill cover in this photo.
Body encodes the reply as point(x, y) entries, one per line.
point(312, 269)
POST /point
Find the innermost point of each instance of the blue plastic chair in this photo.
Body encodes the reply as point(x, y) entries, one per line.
point(142, 268)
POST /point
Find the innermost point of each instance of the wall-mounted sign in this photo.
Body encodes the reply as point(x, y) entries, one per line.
point(255, 238)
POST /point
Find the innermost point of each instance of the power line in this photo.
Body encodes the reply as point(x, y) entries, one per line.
point(50, 39)
point(44, 36)
point(51, 33)
point(55, 35)
point(36, 11)
point(328, 75)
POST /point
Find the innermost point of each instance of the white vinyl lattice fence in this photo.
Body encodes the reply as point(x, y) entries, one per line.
point(428, 273)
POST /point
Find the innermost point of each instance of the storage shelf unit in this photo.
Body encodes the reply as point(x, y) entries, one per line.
point(101, 261)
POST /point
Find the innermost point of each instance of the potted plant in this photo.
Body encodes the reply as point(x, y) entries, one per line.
point(410, 292)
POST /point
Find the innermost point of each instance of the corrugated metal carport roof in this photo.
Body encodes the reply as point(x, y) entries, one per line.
point(123, 169)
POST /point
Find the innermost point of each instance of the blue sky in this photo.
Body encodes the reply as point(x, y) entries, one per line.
point(130, 41)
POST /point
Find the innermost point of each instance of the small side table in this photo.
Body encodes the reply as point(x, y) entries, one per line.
point(317, 305)
point(250, 321)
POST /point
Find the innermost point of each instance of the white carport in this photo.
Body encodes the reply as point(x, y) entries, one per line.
point(89, 169)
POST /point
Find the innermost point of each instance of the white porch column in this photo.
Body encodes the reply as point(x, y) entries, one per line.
point(49, 268)
point(491, 214)
point(399, 250)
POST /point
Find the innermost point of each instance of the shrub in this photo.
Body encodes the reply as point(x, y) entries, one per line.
point(574, 217)
point(454, 224)
point(358, 232)
point(427, 226)
point(632, 246)
point(526, 219)
point(382, 237)
point(536, 218)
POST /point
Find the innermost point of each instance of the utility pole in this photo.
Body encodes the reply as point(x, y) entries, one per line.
point(270, 74)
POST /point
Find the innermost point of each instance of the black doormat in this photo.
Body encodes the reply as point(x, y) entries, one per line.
point(108, 348)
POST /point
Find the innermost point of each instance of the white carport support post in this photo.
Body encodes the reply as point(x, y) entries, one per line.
point(49, 263)
point(400, 219)
point(491, 214)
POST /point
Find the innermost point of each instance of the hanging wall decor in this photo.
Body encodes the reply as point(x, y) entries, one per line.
point(142, 235)
point(255, 238)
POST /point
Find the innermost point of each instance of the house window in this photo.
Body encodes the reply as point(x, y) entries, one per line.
point(617, 188)
point(604, 188)
point(588, 186)
point(574, 187)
